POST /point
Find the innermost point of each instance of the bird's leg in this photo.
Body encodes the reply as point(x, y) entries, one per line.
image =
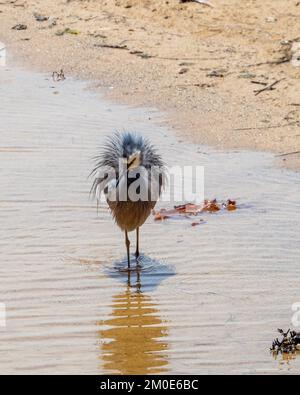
point(127, 242)
point(137, 252)
point(129, 278)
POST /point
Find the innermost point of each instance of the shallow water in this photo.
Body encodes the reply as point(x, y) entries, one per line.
point(208, 299)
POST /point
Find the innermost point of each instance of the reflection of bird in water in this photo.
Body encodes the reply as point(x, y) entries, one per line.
point(134, 337)
point(131, 174)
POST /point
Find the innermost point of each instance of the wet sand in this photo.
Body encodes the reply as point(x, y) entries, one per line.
point(208, 299)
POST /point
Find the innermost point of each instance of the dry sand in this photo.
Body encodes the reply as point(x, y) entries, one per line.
point(194, 61)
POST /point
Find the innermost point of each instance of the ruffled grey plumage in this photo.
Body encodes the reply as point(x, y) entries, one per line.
point(124, 159)
point(122, 145)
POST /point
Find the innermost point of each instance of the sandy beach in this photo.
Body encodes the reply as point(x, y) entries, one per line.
point(226, 75)
point(215, 86)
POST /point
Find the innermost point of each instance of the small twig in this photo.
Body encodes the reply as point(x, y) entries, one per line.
point(288, 153)
point(204, 2)
point(188, 59)
point(259, 83)
point(268, 88)
point(275, 62)
point(198, 85)
point(267, 127)
point(112, 46)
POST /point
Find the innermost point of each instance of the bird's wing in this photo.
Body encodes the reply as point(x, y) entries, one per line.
point(105, 179)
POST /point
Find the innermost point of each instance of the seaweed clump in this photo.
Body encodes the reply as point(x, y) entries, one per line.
point(289, 344)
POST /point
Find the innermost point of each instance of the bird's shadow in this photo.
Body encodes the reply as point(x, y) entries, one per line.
point(145, 275)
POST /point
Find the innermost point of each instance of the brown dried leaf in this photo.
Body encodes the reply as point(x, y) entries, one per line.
point(211, 206)
point(189, 210)
point(231, 205)
point(164, 214)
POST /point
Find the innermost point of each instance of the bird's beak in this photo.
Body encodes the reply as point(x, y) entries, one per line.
point(134, 160)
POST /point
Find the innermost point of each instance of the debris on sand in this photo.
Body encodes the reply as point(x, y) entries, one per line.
point(112, 46)
point(191, 210)
point(138, 53)
point(204, 2)
point(142, 55)
point(40, 18)
point(19, 26)
point(217, 73)
point(67, 31)
point(183, 70)
point(270, 87)
point(290, 52)
point(52, 21)
point(271, 19)
point(289, 344)
point(295, 54)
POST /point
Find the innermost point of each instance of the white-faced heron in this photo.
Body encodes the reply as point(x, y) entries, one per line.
point(131, 174)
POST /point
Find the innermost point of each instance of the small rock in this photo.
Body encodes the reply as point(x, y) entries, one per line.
point(291, 52)
point(40, 18)
point(19, 26)
point(186, 64)
point(217, 73)
point(52, 21)
point(183, 70)
point(295, 51)
point(247, 75)
point(271, 19)
point(146, 56)
point(285, 42)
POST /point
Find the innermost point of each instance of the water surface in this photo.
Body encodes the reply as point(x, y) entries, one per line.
point(208, 299)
